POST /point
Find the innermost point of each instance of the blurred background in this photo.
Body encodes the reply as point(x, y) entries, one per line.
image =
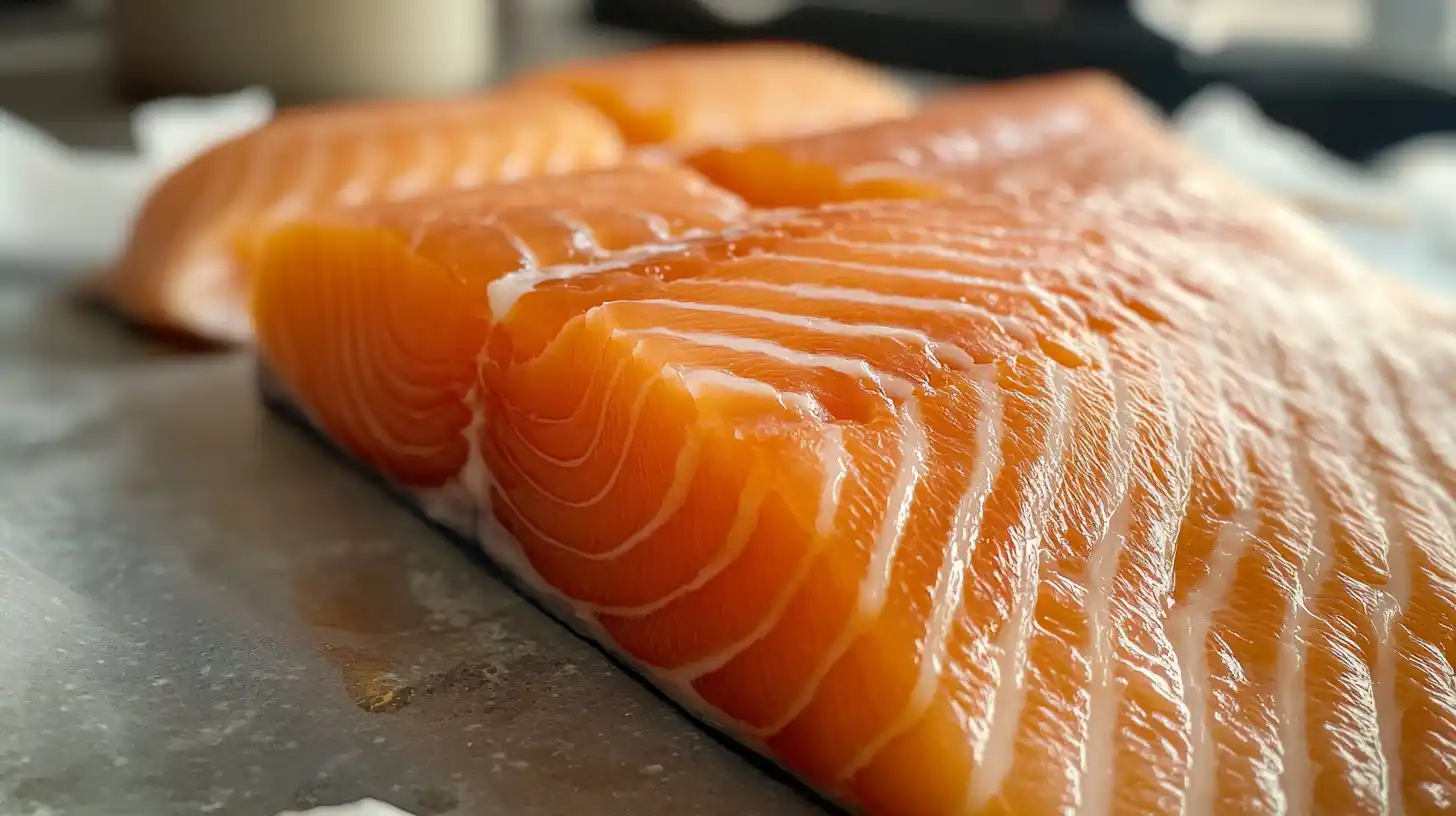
point(1356, 75)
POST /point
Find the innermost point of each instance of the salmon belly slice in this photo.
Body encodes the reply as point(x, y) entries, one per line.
point(182, 269)
point(1135, 500)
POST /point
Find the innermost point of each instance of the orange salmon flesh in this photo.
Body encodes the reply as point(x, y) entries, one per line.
point(1002, 457)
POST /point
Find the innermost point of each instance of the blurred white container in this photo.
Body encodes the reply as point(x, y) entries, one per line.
point(306, 50)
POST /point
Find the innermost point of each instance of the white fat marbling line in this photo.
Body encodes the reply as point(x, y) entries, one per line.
point(1013, 328)
point(1012, 646)
point(503, 292)
point(1297, 776)
point(304, 189)
point(428, 164)
point(583, 237)
point(938, 252)
point(910, 470)
point(1188, 625)
point(965, 534)
point(745, 521)
point(634, 416)
point(834, 468)
point(1099, 772)
point(634, 421)
point(698, 381)
point(889, 384)
point(673, 498)
point(821, 325)
point(366, 173)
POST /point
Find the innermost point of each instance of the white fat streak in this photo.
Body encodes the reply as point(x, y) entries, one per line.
point(822, 325)
point(1392, 601)
point(1010, 698)
point(422, 176)
point(634, 419)
point(471, 171)
point(672, 501)
point(911, 458)
point(699, 380)
point(503, 292)
point(599, 429)
point(965, 532)
point(889, 384)
point(1189, 624)
point(874, 588)
point(1296, 778)
point(744, 523)
point(583, 237)
point(918, 273)
point(1011, 326)
point(364, 180)
point(938, 252)
point(1099, 765)
point(302, 193)
point(834, 462)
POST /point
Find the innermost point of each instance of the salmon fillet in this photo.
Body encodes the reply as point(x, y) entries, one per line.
point(1103, 484)
point(181, 269)
point(686, 97)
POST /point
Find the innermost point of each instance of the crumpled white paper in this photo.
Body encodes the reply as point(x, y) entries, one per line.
point(70, 209)
point(1400, 213)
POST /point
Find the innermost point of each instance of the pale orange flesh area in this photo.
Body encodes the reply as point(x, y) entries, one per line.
point(688, 97)
point(181, 267)
point(1097, 485)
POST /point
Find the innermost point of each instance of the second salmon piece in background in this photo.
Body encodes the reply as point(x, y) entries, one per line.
point(181, 271)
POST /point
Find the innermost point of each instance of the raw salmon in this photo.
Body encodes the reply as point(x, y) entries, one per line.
point(181, 268)
point(999, 135)
point(1137, 499)
point(686, 97)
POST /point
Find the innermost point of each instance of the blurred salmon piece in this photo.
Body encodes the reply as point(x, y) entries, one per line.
point(180, 271)
point(687, 97)
point(1047, 134)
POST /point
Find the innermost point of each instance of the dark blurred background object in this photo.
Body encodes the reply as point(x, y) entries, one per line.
point(1357, 75)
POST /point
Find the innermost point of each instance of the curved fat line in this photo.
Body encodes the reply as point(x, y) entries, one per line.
point(600, 425)
point(1095, 788)
point(1010, 695)
point(471, 169)
point(583, 237)
point(744, 523)
point(812, 291)
point(821, 325)
point(538, 419)
point(694, 380)
point(673, 499)
point(939, 252)
point(950, 580)
point(885, 541)
point(503, 292)
point(875, 586)
point(634, 418)
point(889, 384)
